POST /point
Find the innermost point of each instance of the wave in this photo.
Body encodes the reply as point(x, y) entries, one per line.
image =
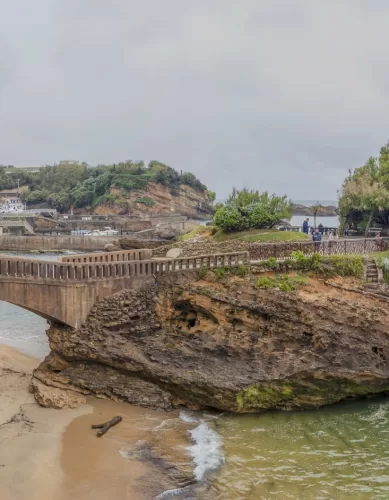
point(207, 450)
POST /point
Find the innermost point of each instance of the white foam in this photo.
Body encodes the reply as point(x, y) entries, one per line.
point(207, 450)
point(187, 418)
point(172, 493)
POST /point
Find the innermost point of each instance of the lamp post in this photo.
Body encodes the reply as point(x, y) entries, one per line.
point(315, 210)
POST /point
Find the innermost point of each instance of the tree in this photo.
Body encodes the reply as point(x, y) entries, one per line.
point(251, 209)
point(366, 189)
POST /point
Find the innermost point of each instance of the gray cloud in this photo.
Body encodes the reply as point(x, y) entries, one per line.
point(273, 94)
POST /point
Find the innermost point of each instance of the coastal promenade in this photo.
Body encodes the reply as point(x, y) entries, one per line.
point(64, 291)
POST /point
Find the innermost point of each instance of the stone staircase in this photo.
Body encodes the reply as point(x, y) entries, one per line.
point(371, 271)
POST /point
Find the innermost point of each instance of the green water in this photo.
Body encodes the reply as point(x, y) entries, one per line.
point(340, 452)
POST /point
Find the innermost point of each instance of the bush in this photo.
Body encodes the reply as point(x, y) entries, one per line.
point(251, 209)
point(230, 219)
point(202, 272)
point(220, 272)
point(242, 270)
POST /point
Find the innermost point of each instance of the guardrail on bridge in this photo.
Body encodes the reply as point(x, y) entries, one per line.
point(13, 267)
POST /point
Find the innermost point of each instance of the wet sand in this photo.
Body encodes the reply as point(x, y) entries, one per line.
point(54, 454)
point(94, 467)
point(30, 436)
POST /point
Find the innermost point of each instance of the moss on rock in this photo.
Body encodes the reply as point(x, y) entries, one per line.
point(303, 393)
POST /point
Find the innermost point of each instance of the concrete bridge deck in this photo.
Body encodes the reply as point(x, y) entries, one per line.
point(65, 292)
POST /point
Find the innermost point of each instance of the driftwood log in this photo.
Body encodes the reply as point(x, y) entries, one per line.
point(106, 426)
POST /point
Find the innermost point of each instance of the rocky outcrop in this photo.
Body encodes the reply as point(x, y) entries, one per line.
point(133, 244)
point(55, 397)
point(324, 211)
point(160, 199)
point(225, 344)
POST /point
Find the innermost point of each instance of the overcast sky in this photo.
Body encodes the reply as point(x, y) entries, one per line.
point(283, 95)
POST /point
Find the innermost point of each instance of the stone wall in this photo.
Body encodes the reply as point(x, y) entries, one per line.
point(47, 243)
point(263, 251)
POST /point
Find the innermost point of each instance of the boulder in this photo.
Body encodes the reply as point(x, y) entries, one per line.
point(54, 397)
point(111, 247)
point(174, 253)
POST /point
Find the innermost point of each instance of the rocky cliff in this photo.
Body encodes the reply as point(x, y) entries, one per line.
point(223, 343)
point(158, 199)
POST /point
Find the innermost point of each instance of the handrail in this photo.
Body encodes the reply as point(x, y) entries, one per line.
point(13, 267)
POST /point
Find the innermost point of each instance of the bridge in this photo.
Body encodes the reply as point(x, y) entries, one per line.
point(64, 292)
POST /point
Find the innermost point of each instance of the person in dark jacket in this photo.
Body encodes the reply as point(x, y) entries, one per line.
point(306, 226)
point(321, 229)
point(316, 238)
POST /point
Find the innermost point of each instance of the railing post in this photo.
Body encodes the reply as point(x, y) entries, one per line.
point(345, 246)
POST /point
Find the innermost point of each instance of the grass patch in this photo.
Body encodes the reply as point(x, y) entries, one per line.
point(334, 265)
point(282, 282)
point(195, 232)
point(261, 235)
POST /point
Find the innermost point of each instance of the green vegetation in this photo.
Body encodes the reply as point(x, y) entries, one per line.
point(195, 232)
point(248, 209)
point(264, 396)
point(287, 393)
point(382, 261)
point(364, 196)
point(282, 282)
point(202, 272)
point(221, 272)
point(79, 185)
point(333, 265)
point(145, 200)
point(261, 235)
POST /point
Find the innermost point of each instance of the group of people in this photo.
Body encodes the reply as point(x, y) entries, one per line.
point(317, 232)
point(349, 228)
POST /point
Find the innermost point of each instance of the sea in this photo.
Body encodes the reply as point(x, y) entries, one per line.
point(337, 452)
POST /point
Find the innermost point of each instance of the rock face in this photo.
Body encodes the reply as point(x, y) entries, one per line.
point(226, 345)
point(323, 211)
point(54, 397)
point(185, 200)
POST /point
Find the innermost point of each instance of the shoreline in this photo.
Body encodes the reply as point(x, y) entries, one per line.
point(29, 461)
point(55, 455)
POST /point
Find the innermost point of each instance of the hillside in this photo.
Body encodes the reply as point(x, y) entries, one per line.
point(123, 188)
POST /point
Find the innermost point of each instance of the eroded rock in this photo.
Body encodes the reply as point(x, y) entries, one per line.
point(225, 344)
point(54, 397)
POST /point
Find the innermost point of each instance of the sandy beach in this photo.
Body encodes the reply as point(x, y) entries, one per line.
point(54, 454)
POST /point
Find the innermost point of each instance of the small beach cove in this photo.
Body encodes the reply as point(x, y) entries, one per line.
point(54, 454)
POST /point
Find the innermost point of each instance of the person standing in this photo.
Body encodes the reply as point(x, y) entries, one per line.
point(332, 239)
point(316, 238)
point(346, 229)
point(321, 228)
point(306, 226)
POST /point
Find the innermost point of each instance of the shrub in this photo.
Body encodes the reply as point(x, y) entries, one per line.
point(385, 269)
point(220, 272)
point(202, 272)
point(242, 270)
